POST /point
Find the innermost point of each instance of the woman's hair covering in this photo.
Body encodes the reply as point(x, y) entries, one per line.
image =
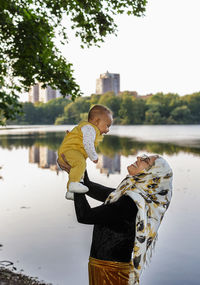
point(151, 191)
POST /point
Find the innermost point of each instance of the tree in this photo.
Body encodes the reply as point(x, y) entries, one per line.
point(193, 103)
point(160, 106)
point(28, 53)
point(41, 113)
point(73, 111)
point(30, 114)
point(138, 111)
point(125, 112)
point(153, 116)
point(180, 115)
point(94, 99)
point(112, 101)
point(48, 112)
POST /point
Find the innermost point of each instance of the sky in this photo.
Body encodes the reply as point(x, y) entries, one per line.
point(159, 52)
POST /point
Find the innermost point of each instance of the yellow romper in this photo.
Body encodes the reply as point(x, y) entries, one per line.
point(73, 149)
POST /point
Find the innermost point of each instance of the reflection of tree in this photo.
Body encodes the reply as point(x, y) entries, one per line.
point(126, 146)
point(0, 178)
point(110, 146)
point(52, 140)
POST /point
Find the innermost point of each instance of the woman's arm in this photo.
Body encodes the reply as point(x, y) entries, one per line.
point(122, 210)
point(97, 191)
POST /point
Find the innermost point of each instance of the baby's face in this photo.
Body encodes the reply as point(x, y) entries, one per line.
point(104, 123)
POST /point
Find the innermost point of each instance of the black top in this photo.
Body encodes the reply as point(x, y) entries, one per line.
point(114, 223)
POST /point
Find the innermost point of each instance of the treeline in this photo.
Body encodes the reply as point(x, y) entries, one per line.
point(127, 108)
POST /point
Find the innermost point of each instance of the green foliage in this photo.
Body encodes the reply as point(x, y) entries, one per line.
point(138, 111)
point(111, 101)
point(127, 109)
point(9, 107)
point(160, 106)
point(125, 112)
point(94, 99)
point(73, 112)
point(132, 109)
point(181, 115)
point(153, 117)
point(28, 53)
point(161, 110)
point(193, 103)
point(41, 113)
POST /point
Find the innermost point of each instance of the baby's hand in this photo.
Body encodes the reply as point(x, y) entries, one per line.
point(95, 161)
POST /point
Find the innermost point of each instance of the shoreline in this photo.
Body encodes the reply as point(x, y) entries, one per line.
point(9, 277)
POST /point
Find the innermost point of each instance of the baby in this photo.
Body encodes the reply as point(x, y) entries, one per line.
point(80, 143)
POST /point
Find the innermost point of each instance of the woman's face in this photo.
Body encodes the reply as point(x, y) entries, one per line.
point(142, 163)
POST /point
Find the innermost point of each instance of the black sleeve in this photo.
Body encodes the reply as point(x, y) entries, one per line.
point(121, 210)
point(97, 191)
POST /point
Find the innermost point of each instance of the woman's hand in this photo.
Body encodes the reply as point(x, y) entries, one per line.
point(64, 165)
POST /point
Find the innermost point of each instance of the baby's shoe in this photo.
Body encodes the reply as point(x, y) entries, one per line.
point(77, 187)
point(69, 195)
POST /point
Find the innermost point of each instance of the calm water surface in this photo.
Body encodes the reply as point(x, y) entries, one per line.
point(39, 231)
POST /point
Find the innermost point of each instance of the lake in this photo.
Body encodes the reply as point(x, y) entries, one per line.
point(39, 231)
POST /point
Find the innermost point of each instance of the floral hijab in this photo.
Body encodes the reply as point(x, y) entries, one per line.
point(151, 191)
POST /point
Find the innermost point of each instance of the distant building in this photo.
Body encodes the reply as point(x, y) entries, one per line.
point(131, 93)
point(108, 82)
point(39, 94)
point(145, 96)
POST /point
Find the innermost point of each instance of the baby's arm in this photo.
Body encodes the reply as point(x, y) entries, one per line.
point(89, 135)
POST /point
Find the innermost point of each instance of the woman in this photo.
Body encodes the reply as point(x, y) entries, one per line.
point(126, 225)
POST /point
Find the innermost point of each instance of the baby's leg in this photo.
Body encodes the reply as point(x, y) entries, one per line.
point(78, 165)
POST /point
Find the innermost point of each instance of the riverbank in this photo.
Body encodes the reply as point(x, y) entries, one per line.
point(9, 277)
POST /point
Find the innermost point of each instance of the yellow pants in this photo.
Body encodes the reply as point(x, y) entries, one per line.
point(78, 165)
point(102, 272)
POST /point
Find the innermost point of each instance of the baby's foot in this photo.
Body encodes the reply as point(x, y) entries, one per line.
point(77, 187)
point(69, 196)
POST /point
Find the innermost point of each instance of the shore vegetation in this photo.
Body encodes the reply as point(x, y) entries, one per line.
point(127, 108)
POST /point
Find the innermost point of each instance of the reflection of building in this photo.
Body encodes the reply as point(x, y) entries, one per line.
point(39, 94)
point(46, 158)
point(109, 165)
point(34, 154)
point(108, 82)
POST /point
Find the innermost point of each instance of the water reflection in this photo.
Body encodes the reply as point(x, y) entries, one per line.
point(0, 173)
point(39, 230)
point(43, 149)
point(109, 165)
point(46, 158)
point(43, 156)
point(110, 146)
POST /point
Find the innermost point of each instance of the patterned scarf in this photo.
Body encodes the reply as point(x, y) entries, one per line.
point(151, 191)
